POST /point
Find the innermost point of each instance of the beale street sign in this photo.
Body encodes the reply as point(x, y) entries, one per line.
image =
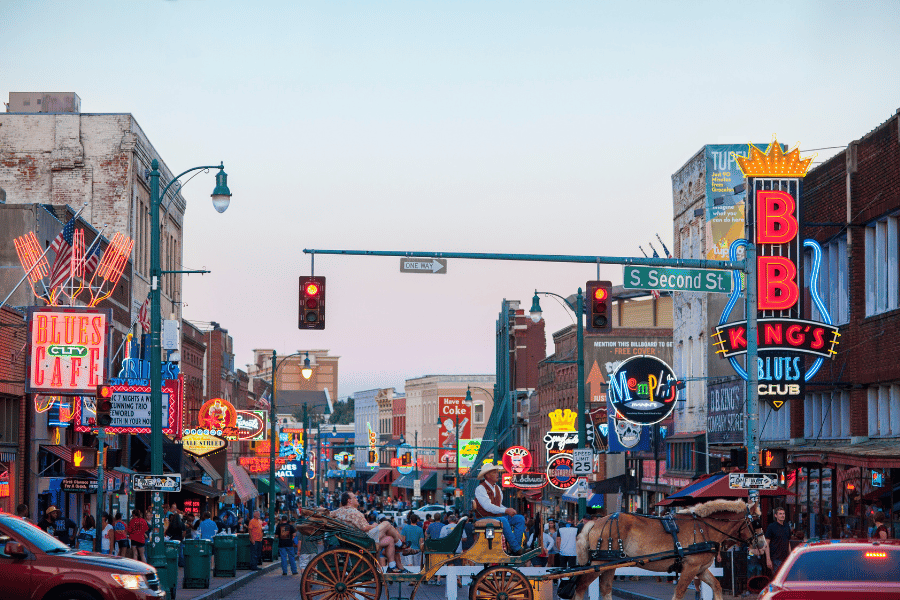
point(676, 280)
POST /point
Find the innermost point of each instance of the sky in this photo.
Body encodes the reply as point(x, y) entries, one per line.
point(504, 127)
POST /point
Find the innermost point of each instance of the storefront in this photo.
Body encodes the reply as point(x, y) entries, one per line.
point(8, 478)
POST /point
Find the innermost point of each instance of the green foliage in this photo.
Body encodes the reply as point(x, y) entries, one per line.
point(343, 413)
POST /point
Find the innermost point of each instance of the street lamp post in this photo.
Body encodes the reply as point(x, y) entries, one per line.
point(303, 480)
point(306, 372)
point(221, 197)
point(578, 309)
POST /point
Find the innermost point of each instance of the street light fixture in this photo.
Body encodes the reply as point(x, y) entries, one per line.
point(578, 309)
point(306, 371)
point(221, 197)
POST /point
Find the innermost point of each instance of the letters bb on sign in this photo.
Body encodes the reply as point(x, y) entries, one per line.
point(67, 349)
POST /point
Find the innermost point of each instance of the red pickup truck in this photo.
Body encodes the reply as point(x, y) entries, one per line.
point(37, 566)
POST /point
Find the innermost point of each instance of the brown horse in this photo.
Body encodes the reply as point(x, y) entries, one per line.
point(719, 521)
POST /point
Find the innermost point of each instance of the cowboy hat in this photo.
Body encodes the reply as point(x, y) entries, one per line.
point(50, 509)
point(487, 468)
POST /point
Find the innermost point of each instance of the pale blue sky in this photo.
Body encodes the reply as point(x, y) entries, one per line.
point(524, 127)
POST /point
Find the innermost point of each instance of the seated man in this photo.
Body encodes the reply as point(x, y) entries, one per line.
point(488, 505)
point(384, 534)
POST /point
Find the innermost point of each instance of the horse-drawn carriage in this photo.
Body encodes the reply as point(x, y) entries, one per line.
point(685, 542)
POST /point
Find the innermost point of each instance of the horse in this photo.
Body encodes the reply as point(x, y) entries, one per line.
point(712, 521)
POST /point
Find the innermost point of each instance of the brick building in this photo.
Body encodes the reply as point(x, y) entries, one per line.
point(15, 412)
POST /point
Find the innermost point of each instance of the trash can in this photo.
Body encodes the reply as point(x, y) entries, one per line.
point(244, 556)
point(162, 571)
point(224, 555)
point(172, 567)
point(197, 555)
point(268, 548)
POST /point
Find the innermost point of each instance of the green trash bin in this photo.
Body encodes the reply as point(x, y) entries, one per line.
point(224, 555)
point(197, 556)
point(244, 556)
point(269, 551)
point(172, 566)
point(162, 571)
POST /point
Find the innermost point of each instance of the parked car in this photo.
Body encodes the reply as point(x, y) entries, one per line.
point(37, 566)
point(839, 569)
point(430, 509)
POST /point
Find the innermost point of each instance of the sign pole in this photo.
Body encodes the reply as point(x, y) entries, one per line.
point(752, 302)
point(101, 500)
point(582, 437)
point(273, 442)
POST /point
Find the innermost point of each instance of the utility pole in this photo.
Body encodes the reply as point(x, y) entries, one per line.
point(303, 479)
point(273, 444)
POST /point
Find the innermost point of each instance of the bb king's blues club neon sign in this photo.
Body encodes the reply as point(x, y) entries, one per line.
point(783, 336)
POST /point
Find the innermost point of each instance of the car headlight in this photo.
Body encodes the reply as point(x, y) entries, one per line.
point(131, 581)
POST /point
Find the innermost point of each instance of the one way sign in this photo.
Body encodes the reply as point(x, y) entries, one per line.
point(424, 265)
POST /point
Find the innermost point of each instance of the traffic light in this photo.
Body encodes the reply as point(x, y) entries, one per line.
point(373, 456)
point(104, 405)
point(312, 303)
point(599, 306)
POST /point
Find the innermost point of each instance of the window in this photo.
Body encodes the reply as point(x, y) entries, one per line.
point(478, 412)
point(9, 420)
point(884, 411)
point(834, 281)
point(827, 415)
point(775, 424)
point(881, 266)
point(680, 456)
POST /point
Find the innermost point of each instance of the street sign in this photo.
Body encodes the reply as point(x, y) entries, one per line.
point(170, 482)
point(676, 280)
point(752, 481)
point(426, 452)
point(78, 484)
point(424, 265)
point(417, 488)
point(583, 459)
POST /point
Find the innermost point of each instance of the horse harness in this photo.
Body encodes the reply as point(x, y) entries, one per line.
point(669, 526)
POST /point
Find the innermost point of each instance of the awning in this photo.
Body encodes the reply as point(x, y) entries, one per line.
point(207, 467)
point(8, 455)
point(381, 477)
point(428, 479)
point(109, 478)
point(262, 485)
point(195, 487)
point(243, 485)
point(714, 486)
point(63, 452)
point(613, 485)
point(595, 501)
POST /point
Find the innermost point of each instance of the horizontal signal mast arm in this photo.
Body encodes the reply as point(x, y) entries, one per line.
point(691, 263)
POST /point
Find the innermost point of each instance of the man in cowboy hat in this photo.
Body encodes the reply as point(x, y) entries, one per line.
point(488, 505)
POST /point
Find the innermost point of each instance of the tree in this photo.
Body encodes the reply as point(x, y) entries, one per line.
point(343, 412)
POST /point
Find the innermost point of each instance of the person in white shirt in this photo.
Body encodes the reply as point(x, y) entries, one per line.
point(488, 505)
point(109, 535)
point(565, 537)
point(449, 527)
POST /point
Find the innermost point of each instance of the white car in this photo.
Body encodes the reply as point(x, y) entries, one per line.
point(430, 509)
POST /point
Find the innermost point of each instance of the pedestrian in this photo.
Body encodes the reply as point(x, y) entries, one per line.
point(107, 535)
point(175, 531)
point(137, 535)
point(207, 527)
point(284, 532)
point(414, 535)
point(121, 535)
point(446, 530)
point(552, 552)
point(565, 541)
point(256, 536)
point(87, 534)
point(547, 544)
point(241, 526)
point(58, 526)
point(778, 536)
point(434, 528)
point(22, 512)
point(881, 531)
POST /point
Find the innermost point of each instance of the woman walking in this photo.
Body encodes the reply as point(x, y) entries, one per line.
point(137, 535)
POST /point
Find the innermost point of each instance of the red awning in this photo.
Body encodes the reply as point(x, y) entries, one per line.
point(243, 485)
point(382, 476)
point(108, 476)
point(63, 452)
point(714, 486)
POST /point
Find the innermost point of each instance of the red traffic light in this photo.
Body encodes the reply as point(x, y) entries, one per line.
point(104, 391)
point(312, 303)
point(601, 293)
point(311, 289)
point(599, 309)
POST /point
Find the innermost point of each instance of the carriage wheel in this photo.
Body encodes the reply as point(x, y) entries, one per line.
point(500, 583)
point(341, 574)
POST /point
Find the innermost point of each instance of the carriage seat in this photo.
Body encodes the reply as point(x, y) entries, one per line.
point(449, 544)
point(487, 521)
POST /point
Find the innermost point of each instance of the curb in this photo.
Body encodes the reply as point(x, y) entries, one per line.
point(626, 594)
point(239, 582)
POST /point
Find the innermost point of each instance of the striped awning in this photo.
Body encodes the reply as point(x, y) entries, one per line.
point(63, 452)
point(7, 456)
point(243, 485)
point(382, 476)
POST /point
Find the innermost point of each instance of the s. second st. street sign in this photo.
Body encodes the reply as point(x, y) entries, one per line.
point(424, 265)
point(677, 280)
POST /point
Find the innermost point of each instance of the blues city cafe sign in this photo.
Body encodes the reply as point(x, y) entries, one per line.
point(642, 390)
point(783, 336)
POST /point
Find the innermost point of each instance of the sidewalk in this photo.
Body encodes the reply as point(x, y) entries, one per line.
point(220, 587)
point(650, 589)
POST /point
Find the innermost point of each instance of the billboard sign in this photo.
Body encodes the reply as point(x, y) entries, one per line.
point(251, 425)
point(561, 471)
point(453, 413)
point(131, 407)
point(468, 452)
point(219, 414)
point(563, 436)
point(201, 444)
point(517, 459)
point(67, 349)
point(725, 412)
point(625, 436)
